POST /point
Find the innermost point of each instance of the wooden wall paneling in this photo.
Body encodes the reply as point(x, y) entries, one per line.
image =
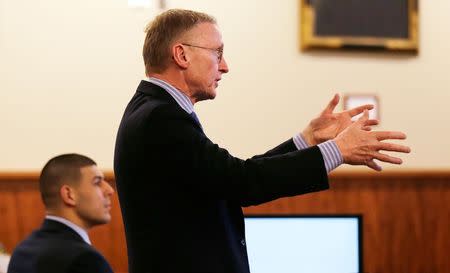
point(30, 209)
point(118, 243)
point(9, 220)
point(101, 239)
point(406, 217)
point(433, 233)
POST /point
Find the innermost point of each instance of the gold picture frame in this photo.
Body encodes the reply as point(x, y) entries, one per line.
point(310, 39)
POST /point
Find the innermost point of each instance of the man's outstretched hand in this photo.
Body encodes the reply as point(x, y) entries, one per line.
point(328, 124)
point(360, 147)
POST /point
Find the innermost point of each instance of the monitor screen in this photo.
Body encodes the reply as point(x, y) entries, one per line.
point(304, 244)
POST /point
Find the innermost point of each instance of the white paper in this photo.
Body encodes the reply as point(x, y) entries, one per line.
point(353, 101)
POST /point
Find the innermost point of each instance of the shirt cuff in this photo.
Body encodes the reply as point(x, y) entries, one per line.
point(300, 142)
point(331, 155)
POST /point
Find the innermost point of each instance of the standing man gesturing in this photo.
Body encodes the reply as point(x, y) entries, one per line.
point(181, 194)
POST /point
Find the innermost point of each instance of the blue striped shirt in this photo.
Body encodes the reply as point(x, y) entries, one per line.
point(330, 152)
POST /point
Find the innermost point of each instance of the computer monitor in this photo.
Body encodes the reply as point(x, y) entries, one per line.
point(304, 243)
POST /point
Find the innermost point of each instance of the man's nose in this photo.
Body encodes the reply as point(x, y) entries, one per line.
point(109, 190)
point(223, 66)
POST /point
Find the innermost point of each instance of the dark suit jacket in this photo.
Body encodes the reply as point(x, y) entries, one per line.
point(56, 248)
point(181, 194)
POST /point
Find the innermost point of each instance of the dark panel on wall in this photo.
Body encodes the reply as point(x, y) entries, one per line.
point(373, 18)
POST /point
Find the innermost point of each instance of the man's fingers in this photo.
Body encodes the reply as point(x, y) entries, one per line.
point(371, 122)
point(332, 104)
point(394, 147)
point(358, 110)
point(371, 164)
point(383, 135)
point(364, 118)
point(387, 158)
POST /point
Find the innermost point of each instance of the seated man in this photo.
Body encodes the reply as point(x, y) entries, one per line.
point(76, 197)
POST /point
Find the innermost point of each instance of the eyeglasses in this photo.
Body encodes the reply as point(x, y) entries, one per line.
point(219, 51)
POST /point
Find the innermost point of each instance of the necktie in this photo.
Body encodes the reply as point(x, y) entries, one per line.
point(194, 116)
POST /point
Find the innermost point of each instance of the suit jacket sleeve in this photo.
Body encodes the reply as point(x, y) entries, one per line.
point(179, 153)
point(285, 147)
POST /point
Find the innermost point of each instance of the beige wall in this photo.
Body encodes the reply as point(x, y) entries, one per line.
point(68, 68)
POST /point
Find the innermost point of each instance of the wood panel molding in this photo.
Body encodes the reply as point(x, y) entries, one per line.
point(407, 174)
point(12, 176)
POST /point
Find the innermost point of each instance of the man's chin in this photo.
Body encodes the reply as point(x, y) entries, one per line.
point(212, 94)
point(207, 96)
point(104, 220)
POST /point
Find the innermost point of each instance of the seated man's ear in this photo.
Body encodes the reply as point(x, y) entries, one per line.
point(179, 56)
point(68, 195)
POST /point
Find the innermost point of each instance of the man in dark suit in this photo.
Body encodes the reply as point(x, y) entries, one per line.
point(77, 198)
point(181, 194)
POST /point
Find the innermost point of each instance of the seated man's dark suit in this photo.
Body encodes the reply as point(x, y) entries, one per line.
point(56, 248)
point(181, 194)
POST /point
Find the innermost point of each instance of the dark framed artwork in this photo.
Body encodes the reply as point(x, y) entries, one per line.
point(362, 24)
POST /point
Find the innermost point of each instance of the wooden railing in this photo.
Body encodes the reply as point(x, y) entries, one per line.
point(406, 216)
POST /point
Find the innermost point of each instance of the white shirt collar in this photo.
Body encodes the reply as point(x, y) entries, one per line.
point(76, 228)
point(181, 98)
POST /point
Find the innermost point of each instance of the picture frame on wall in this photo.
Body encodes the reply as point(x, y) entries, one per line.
point(359, 24)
